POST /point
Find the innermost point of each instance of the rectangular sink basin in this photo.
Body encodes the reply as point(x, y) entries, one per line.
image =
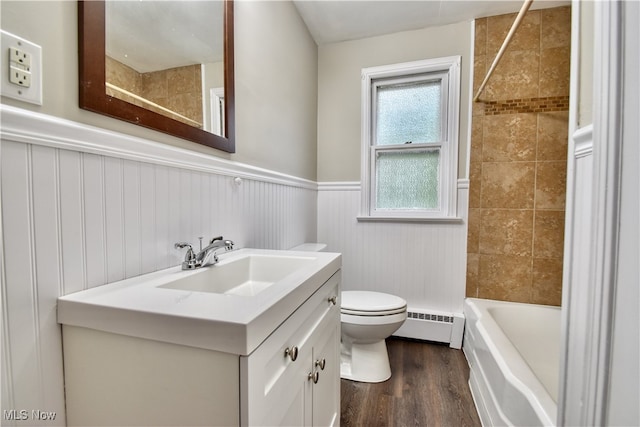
point(247, 276)
point(232, 306)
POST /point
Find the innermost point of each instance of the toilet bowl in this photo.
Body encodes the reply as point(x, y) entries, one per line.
point(367, 319)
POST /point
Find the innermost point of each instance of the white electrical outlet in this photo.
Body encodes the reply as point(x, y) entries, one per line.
point(20, 77)
point(20, 57)
point(21, 69)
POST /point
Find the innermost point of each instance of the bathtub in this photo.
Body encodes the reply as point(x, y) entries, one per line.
point(513, 352)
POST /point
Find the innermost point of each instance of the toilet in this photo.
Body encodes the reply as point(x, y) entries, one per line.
point(367, 320)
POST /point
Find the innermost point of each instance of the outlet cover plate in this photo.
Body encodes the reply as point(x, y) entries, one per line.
point(33, 93)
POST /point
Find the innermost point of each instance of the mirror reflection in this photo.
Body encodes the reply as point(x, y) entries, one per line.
point(168, 57)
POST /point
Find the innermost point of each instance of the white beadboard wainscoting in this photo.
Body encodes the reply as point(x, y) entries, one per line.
point(82, 207)
point(422, 262)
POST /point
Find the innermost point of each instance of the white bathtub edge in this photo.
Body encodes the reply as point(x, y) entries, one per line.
point(528, 385)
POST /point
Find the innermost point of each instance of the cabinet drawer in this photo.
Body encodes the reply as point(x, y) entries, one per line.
point(276, 388)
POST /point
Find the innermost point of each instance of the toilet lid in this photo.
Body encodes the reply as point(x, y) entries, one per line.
point(367, 303)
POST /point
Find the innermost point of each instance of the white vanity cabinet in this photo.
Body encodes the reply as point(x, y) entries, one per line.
point(293, 378)
point(116, 379)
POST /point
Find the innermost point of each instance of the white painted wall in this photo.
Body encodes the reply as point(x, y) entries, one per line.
point(82, 207)
point(275, 76)
point(339, 69)
point(276, 88)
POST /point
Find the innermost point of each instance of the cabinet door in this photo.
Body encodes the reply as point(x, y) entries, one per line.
point(326, 361)
point(276, 390)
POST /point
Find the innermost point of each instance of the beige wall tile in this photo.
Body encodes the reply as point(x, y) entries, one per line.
point(479, 71)
point(547, 281)
point(188, 105)
point(508, 185)
point(122, 76)
point(548, 235)
point(556, 27)
point(518, 160)
point(476, 139)
point(506, 231)
point(473, 233)
point(497, 29)
point(503, 277)
point(480, 39)
point(516, 76)
point(475, 182)
point(473, 262)
point(182, 80)
point(551, 181)
point(510, 137)
point(554, 71)
point(527, 37)
point(477, 109)
point(154, 85)
point(553, 135)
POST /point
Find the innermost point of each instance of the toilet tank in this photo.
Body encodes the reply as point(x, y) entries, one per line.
point(310, 247)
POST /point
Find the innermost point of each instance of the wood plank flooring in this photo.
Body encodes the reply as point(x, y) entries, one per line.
point(428, 387)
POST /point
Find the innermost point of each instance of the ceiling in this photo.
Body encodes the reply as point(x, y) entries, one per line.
point(142, 34)
point(158, 35)
point(331, 21)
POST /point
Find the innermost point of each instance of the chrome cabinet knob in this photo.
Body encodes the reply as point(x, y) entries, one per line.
point(321, 363)
point(333, 300)
point(292, 353)
point(314, 376)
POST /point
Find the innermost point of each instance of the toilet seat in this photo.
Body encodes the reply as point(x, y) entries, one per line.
point(367, 303)
point(372, 320)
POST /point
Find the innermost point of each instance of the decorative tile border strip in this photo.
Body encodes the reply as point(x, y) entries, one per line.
point(526, 105)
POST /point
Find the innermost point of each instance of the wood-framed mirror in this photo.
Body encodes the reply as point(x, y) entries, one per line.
point(97, 94)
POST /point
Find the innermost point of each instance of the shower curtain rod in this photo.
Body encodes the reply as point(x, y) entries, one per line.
point(503, 48)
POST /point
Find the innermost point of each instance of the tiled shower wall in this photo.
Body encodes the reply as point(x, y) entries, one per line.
point(178, 89)
point(518, 159)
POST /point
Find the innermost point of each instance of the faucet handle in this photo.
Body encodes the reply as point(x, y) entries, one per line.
point(190, 261)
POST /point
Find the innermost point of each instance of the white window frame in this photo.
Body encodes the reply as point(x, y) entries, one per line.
point(448, 69)
point(216, 95)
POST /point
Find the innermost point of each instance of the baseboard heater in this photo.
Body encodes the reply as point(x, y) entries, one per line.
point(433, 326)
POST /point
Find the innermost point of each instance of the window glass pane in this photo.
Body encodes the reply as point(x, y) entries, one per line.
point(408, 112)
point(408, 179)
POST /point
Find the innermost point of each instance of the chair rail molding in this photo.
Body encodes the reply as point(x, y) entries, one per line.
point(26, 126)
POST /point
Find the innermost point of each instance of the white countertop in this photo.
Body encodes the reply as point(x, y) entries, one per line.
point(230, 323)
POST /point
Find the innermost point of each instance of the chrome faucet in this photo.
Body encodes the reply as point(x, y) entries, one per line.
point(206, 255)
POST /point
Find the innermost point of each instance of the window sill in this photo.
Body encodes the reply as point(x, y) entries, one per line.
point(434, 220)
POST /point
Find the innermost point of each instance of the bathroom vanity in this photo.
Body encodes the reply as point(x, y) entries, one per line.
point(253, 340)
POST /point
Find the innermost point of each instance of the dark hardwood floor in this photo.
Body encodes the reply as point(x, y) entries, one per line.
point(428, 387)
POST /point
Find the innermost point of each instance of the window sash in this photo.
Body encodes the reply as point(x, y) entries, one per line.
point(447, 68)
point(415, 148)
point(440, 77)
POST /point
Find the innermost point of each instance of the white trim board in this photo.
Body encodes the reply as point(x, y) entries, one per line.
point(592, 230)
point(355, 185)
point(18, 126)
